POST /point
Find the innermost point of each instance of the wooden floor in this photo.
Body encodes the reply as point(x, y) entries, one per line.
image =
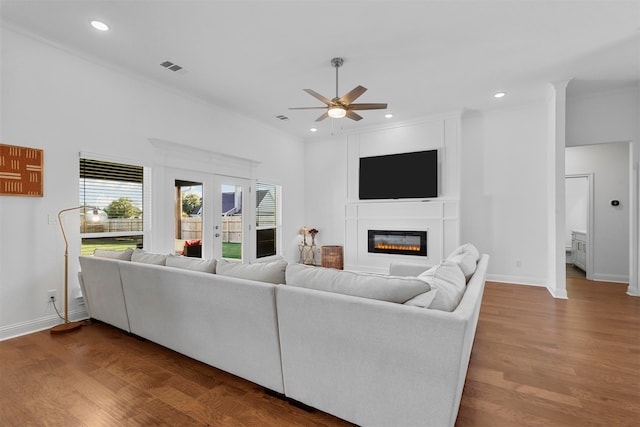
point(537, 361)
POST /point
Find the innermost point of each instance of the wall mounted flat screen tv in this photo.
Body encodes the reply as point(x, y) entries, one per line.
point(399, 176)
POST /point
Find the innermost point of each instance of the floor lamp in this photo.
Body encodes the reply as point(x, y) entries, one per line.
point(68, 326)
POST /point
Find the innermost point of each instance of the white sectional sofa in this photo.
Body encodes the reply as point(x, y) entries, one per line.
point(354, 345)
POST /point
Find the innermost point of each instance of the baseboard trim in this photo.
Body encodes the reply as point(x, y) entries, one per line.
point(613, 278)
point(517, 280)
point(560, 295)
point(40, 324)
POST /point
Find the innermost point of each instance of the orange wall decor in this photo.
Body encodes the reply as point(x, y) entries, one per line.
point(21, 171)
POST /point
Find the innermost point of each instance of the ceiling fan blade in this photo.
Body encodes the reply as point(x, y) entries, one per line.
point(318, 96)
point(322, 117)
point(353, 116)
point(367, 106)
point(307, 108)
point(353, 95)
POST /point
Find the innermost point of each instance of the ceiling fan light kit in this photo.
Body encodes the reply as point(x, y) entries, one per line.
point(336, 112)
point(339, 107)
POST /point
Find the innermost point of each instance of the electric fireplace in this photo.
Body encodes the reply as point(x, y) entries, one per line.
point(398, 242)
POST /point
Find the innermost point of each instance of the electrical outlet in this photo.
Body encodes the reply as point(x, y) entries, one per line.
point(52, 295)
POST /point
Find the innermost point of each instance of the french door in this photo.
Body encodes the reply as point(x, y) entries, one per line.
point(232, 215)
point(211, 215)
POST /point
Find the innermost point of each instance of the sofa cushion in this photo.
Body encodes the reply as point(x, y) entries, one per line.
point(374, 286)
point(268, 272)
point(466, 256)
point(189, 263)
point(449, 280)
point(423, 300)
point(140, 255)
point(123, 255)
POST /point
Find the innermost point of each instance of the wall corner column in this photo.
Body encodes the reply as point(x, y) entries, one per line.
point(556, 141)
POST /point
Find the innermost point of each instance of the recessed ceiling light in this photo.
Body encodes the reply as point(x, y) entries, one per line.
point(499, 95)
point(313, 129)
point(99, 25)
point(388, 115)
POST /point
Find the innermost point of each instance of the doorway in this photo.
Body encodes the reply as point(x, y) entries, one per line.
point(605, 245)
point(579, 242)
point(188, 218)
point(232, 218)
point(208, 215)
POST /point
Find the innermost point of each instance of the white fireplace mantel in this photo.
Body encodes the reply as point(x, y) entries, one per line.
point(438, 217)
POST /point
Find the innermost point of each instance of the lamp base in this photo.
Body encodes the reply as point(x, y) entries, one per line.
point(65, 327)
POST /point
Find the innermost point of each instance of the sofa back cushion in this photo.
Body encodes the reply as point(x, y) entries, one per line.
point(140, 255)
point(268, 272)
point(449, 282)
point(189, 263)
point(374, 286)
point(122, 255)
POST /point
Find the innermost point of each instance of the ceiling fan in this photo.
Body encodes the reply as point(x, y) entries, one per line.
point(339, 107)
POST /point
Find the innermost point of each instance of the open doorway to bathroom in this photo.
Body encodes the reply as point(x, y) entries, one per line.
point(597, 214)
point(578, 228)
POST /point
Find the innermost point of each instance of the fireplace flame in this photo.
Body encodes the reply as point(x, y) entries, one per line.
point(391, 247)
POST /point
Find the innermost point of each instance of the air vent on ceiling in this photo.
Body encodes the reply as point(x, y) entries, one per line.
point(281, 117)
point(171, 66)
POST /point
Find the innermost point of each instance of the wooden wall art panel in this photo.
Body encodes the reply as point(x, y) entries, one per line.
point(21, 171)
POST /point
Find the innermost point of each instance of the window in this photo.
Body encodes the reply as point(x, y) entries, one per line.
point(116, 190)
point(267, 219)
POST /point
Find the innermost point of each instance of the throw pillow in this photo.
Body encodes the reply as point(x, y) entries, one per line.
point(188, 263)
point(449, 280)
point(466, 256)
point(467, 248)
point(380, 287)
point(466, 264)
point(269, 272)
point(140, 255)
point(123, 255)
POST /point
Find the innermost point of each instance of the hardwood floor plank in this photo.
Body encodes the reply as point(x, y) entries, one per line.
point(536, 361)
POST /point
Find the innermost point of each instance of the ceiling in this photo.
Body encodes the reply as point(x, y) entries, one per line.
point(420, 57)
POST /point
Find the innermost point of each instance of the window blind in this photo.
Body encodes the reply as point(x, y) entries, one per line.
point(116, 189)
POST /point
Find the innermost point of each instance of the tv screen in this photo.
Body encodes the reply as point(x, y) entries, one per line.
point(399, 176)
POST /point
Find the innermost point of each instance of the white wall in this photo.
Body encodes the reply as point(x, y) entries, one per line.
point(599, 117)
point(64, 104)
point(609, 164)
point(326, 188)
point(503, 191)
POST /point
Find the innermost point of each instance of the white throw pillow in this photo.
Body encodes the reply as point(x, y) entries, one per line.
point(448, 279)
point(269, 272)
point(140, 255)
point(467, 248)
point(123, 255)
point(466, 256)
point(466, 264)
point(190, 263)
point(374, 286)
